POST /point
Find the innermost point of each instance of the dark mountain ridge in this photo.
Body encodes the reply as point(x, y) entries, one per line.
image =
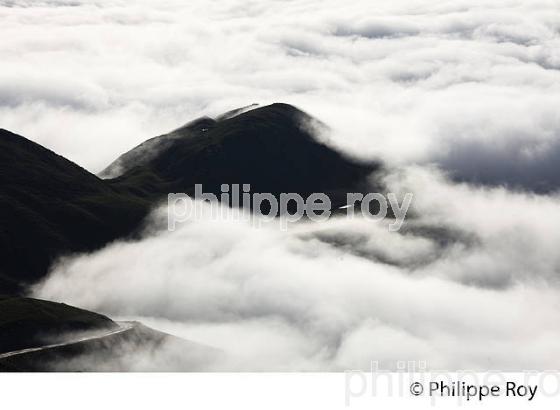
point(39, 335)
point(272, 148)
point(27, 323)
point(50, 206)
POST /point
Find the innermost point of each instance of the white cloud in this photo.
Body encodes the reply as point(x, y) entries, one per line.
point(395, 79)
point(477, 295)
point(469, 85)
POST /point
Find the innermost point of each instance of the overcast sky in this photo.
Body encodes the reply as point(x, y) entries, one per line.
point(466, 89)
point(403, 79)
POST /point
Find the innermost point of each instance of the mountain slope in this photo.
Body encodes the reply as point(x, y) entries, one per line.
point(271, 148)
point(50, 206)
point(38, 335)
point(26, 322)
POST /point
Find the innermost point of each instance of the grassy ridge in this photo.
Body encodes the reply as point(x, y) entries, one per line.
point(50, 206)
point(26, 322)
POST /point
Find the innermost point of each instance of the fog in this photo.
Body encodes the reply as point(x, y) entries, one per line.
point(403, 80)
point(461, 290)
point(442, 92)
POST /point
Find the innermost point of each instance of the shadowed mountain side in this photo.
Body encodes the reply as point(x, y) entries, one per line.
point(135, 348)
point(27, 323)
point(38, 335)
point(50, 206)
point(271, 148)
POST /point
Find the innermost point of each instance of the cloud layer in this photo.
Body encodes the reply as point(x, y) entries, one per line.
point(469, 86)
point(404, 80)
point(461, 290)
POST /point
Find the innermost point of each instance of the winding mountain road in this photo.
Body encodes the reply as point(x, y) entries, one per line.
point(123, 328)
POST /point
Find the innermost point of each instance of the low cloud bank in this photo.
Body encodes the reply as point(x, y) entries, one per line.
point(462, 286)
point(469, 85)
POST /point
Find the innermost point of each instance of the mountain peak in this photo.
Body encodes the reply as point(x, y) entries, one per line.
point(206, 131)
point(47, 199)
point(273, 148)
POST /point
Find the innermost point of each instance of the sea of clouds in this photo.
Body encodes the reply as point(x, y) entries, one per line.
point(472, 283)
point(441, 91)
